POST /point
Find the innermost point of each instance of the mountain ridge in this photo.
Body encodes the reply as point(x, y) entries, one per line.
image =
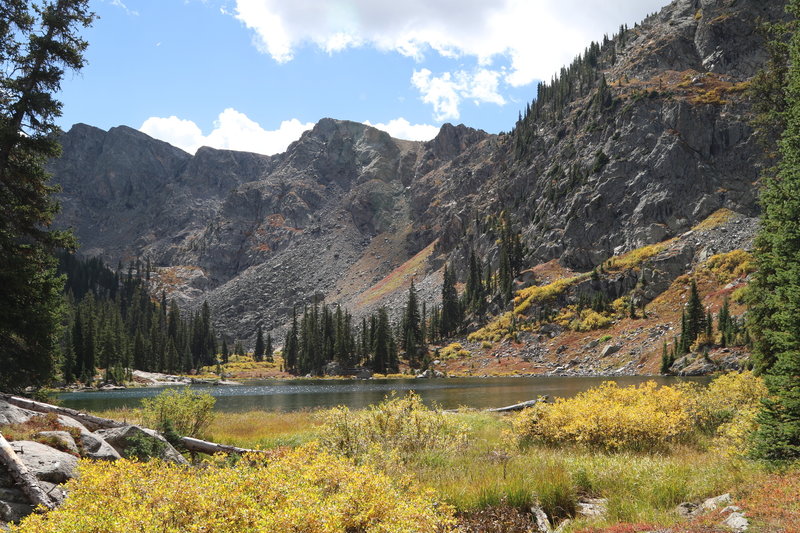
point(638, 147)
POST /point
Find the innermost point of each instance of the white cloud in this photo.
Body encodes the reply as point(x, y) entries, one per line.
point(232, 130)
point(535, 37)
point(446, 92)
point(121, 5)
point(400, 128)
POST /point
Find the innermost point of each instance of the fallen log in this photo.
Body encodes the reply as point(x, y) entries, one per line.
point(517, 406)
point(90, 421)
point(95, 422)
point(26, 481)
point(210, 448)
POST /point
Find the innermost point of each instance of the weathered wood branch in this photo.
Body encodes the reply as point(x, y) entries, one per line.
point(90, 421)
point(516, 406)
point(204, 446)
point(95, 422)
point(26, 481)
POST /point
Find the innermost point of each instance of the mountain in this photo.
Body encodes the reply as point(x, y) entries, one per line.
point(641, 139)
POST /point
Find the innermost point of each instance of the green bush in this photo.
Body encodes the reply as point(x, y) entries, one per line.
point(399, 425)
point(183, 411)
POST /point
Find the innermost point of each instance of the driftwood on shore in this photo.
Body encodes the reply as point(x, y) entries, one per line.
point(516, 406)
point(95, 422)
point(90, 421)
point(26, 481)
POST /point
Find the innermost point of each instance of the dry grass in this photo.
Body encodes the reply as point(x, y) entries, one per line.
point(399, 278)
point(715, 220)
point(264, 429)
point(635, 258)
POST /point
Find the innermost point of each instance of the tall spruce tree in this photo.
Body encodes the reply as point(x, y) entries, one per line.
point(775, 292)
point(411, 335)
point(451, 309)
point(38, 42)
point(258, 351)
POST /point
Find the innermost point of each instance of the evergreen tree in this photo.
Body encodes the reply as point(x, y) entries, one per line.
point(38, 42)
point(775, 291)
point(290, 346)
point(724, 323)
point(411, 334)
point(225, 353)
point(258, 351)
point(268, 349)
point(693, 321)
point(450, 312)
point(382, 343)
point(666, 360)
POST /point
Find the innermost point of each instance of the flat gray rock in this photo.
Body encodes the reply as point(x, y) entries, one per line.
point(65, 441)
point(46, 463)
point(11, 414)
point(94, 447)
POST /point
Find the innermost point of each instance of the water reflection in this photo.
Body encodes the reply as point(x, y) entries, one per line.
point(294, 395)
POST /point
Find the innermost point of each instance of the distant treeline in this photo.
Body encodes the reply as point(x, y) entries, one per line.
point(114, 323)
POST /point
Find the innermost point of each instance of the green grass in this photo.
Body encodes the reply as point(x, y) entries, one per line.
point(491, 472)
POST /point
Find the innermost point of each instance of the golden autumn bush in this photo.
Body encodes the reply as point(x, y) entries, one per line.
point(184, 411)
point(402, 425)
point(306, 489)
point(644, 417)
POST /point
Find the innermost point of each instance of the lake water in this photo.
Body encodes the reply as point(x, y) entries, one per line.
point(294, 395)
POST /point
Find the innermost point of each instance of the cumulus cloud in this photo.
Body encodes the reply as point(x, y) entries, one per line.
point(446, 92)
point(400, 128)
point(535, 37)
point(232, 131)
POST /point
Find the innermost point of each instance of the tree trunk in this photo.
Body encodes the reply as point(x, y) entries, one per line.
point(202, 446)
point(23, 478)
point(90, 421)
point(95, 422)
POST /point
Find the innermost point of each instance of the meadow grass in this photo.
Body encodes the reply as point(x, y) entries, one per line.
point(489, 469)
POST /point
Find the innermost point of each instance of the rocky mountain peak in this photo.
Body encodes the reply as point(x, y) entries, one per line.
point(638, 141)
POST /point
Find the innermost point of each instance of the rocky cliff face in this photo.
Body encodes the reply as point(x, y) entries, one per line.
point(655, 140)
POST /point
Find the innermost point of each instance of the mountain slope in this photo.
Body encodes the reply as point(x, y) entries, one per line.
point(637, 142)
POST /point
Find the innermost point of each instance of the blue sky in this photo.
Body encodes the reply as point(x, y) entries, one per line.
point(253, 74)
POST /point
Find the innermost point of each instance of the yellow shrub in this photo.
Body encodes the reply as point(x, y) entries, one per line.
point(305, 490)
point(731, 265)
point(636, 257)
point(539, 294)
point(494, 331)
point(724, 397)
point(733, 437)
point(591, 320)
point(403, 425)
point(453, 350)
point(715, 219)
point(186, 412)
point(587, 320)
point(609, 417)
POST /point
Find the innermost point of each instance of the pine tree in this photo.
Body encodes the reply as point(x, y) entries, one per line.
point(290, 346)
point(450, 313)
point(268, 349)
point(382, 343)
point(258, 351)
point(666, 361)
point(775, 291)
point(38, 42)
point(411, 334)
point(724, 322)
point(225, 354)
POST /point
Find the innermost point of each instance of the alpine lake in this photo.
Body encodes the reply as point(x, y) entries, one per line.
point(308, 394)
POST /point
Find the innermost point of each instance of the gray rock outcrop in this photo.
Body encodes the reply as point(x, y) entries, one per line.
point(346, 204)
point(128, 441)
point(46, 463)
